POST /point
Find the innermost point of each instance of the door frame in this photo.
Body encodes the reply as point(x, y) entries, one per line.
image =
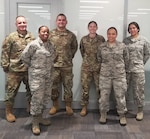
point(11, 10)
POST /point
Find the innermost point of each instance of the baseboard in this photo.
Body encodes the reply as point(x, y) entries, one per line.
point(76, 105)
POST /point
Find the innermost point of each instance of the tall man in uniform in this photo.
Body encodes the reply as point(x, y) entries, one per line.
point(15, 70)
point(65, 44)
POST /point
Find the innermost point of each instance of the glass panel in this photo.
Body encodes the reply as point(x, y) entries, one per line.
point(140, 13)
point(79, 13)
point(36, 14)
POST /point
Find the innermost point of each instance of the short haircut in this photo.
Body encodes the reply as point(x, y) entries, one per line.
point(42, 27)
point(61, 14)
point(20, 16)
point(112, 28)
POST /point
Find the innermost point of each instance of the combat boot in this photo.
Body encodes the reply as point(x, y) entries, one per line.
point(44, 121)
point(140, 114)
point(69, 109)
point(35, 125)
point(103, 119)
point(9, 112)
point(54, 108)
point(83, 111)
point(123, 120)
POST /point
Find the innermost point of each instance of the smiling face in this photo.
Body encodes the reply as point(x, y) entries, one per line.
point(61, 22)
point(43, 33)
point(92, 27)
point(21, 24)
point(133, 30)
point(111, 35)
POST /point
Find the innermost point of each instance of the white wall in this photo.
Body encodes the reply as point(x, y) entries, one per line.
point(78, 18)
point(2, 35)
point(139, 11)
point(110, 13)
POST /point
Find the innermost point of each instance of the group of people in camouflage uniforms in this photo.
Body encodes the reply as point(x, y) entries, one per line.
point(44, 63)
point(115, 64)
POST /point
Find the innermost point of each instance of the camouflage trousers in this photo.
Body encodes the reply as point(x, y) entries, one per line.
point(137, 81)
point(119, 85)
point(13, 81)
point(40, 85)
point(64, 76)
point(86, 79)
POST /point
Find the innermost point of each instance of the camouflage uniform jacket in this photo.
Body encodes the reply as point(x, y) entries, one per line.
point(138, 52)
point(114, 60)
point(39, 56)
point(12, 48)
point(66, 45)
point(88, 49)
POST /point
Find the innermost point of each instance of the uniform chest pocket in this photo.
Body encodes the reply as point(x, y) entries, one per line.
point(118, 55)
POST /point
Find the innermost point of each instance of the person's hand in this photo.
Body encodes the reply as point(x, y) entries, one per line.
point(6, 69)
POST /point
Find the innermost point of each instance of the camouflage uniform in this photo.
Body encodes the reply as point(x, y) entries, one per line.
point(114, 61)
point(15, 70)
point(139, 54)
point(65, 44)
point(90, 65)
point(39, 57)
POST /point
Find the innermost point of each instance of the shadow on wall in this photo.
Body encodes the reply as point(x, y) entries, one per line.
point(147, 86)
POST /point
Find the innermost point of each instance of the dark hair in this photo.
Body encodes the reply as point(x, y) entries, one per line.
point(42, 27)
point(112, 28)
point(61, 14)
point(134, 23)
point(92, 22)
